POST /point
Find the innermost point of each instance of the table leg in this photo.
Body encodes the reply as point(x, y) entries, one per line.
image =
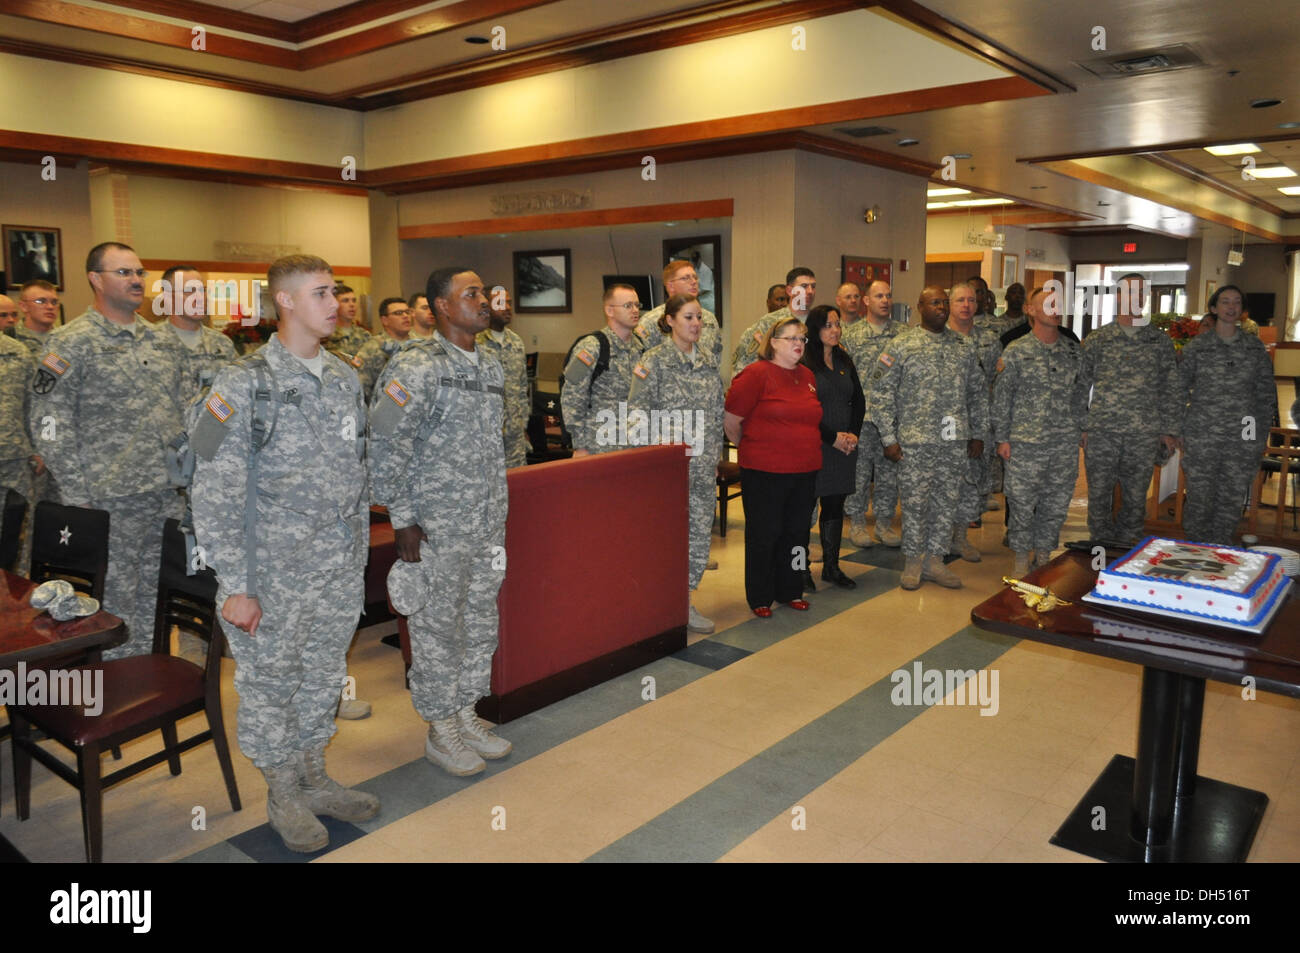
point(1155, 772)
point(1191, 705)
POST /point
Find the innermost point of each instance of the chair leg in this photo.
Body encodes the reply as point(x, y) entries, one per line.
point(117, 752)
point(22, 766)
point(171, 743)
point(722, 512)
point(218, 726)
point(92, 802)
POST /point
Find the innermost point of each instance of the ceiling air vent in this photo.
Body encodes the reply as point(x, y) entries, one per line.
point(862, 132)
point(1164, 59)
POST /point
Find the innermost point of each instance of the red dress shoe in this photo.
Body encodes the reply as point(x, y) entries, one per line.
point(800, 604)
point(763, 612)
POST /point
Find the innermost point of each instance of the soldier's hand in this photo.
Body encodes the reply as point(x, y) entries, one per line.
point(974, 449)
point(893, 452)
point(408, 540)
point(581, 453)
point(243, 612)
point(1004, 450)
point(38, 465)
point(1083, 440)
point(1171, 443)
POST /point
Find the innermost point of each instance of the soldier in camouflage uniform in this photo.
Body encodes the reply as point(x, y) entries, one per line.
point(181, 297)
point(105, 403)
point(18, 461)
point(1135, 408)
point(681, 376)
point(680, 279)
point(349, 337)
point(369, 361)
point(801, 287)
point(929, 401)
point(1040, 400)
point(1226, 382)
point(508, 348)
point(286, 529)
point(584, 403)
point(8, 315)
point(978, 482)
point(39, 303)
point(876, 477)
point(438, 464)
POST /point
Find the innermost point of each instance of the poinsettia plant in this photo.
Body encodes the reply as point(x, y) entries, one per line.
point(1181, 328)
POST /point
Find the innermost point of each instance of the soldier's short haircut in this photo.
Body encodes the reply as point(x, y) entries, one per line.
point(284, 268)
point(95, 259)
point(609, 292)
point(674, 266)
point(439, 283)
point(794, 274)
point(765, 350)
point(774, 288)
point(1130, 275)
point(416, 297)
point(383, 305)
point(963, 284)
point(173, 269)
point(848, 284)
point(671, 307)
point(982, 284)
point(38, 283)
point(342, 289)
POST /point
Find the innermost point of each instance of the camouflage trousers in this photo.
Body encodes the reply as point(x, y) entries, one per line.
point(701, 501)
point(929, 475)
point(516, 448)
point(976, 484)
point(1126, 459)
point(134, 552)
point(876, 480)
point(454, 637)
point(1040, 482)
point(1218, 472)
point(290, 673)
point(16, 475)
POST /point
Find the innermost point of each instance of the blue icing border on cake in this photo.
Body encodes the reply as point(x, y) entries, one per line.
point(1269, 558)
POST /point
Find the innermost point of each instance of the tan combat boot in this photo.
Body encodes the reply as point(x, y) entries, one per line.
point(478, 739)
point(912, 573)
point(1021, 569)
point(1041, 558)
point(445, 748)
point(936, 571)
point(887, 536)
point(961, 544)
point(859, 536)
point(288, 812)
point(326, 796)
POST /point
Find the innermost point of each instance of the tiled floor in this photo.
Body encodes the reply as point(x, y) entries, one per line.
point(770, 740)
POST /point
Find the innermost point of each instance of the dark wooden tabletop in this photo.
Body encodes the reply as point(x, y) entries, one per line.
point(30, 635)
point(1186, 647)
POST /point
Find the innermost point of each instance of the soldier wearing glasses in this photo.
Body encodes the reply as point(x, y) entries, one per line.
point(104, 404)
point(680, 278)
point(582, 400)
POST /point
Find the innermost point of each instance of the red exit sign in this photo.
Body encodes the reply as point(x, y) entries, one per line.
point(1130, 248)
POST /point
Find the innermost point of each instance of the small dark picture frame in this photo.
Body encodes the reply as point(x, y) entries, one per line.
point(32, 252)
point(543, 282)
point(705, 253)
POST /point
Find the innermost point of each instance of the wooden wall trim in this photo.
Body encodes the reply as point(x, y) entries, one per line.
point(240, 267)
point(954, 256)
point(710, 208)
point(227, 178)
point(1178, 167)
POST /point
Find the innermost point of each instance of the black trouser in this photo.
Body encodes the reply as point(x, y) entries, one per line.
point(777, 507)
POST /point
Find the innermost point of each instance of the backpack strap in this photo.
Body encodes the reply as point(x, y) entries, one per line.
point(266, 410)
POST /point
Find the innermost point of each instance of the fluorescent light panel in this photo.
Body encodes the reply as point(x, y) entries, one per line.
point(1272, 172)
point(1240, 149)
point(1289, 189)
point(935, 193)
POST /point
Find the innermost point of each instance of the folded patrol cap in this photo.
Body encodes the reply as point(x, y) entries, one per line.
point(407, 590)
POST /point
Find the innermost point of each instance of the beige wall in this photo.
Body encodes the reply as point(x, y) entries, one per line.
point(946, 234)
point(1264, 271)
point(64, 203)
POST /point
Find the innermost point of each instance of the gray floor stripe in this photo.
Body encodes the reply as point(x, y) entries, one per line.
point(711, 822)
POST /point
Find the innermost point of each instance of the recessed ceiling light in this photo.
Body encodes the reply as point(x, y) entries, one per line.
point(930, 205)
point(1103, 203)
point(1240, 149)
point(1290, 189)
point(908, 142)
point(1265, 103)
point(1037, 187)
point(932, 193)
point(1288, 125)
point(477, 40)
point(968, 203)
point(1272, 172)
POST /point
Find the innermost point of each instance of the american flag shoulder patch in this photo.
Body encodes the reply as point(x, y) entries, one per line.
point(586, 358)
point(397, 393)
point(640, 372)
point(55, 363)
point(219, 408)
point(886, 359)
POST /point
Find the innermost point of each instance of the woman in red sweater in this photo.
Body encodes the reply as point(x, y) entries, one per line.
point(773, 417)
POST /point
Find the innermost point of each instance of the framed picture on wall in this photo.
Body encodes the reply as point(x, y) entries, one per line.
point(705, 253)
point(32, 252)
point(1010, 269)
point(543, 282)
point(863, 271)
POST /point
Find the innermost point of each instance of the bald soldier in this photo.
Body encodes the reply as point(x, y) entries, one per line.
point(929, 400)
point(848, 298)
point(877, 476)
point(8, 314)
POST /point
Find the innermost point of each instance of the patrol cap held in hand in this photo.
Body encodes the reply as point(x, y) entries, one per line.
point(407, 590)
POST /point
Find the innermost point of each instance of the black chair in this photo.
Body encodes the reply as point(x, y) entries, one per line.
point(141, 695)
point(728, 480)
point(547, 413)
point(11, 527)
point(70, 542)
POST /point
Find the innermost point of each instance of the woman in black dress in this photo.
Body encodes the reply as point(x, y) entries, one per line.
point(843, 408)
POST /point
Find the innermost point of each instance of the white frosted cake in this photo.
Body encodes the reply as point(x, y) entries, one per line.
point(1222, 585)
